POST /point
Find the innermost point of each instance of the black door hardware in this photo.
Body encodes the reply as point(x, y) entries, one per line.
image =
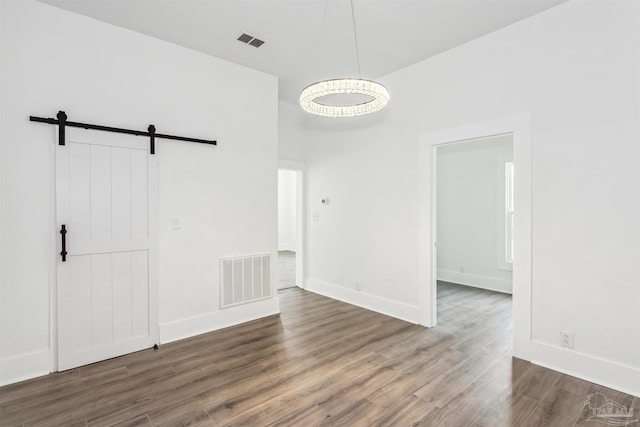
point(63, 231)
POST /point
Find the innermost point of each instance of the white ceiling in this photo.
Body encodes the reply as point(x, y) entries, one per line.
point(302, 46)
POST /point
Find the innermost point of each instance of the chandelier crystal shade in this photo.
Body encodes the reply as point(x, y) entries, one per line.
point(378, 93)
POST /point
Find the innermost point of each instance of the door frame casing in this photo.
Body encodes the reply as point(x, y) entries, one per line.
point(55, 222)
point(299, 168)
point(520, 128)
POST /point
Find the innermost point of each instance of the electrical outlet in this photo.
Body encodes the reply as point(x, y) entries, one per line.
point(566, 339)
point(358, 286)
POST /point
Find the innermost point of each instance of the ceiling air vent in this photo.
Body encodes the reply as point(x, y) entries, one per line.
point(245, 38)
point(249, 39)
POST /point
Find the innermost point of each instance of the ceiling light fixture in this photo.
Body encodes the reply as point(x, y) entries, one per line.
point(376, 94)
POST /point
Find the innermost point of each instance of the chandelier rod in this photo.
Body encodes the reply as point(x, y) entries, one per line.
point(355, 38)
point(324, 13)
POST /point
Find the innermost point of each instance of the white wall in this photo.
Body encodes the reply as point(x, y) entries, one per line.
point(2, 320)
point(287, 210)
point(291, 133)
point(471, 213)
point(575, 68)
point(98, 73)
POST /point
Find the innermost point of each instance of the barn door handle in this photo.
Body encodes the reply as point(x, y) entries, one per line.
point(63, 231)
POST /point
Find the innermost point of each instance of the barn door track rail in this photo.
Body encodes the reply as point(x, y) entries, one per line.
point(62, 122)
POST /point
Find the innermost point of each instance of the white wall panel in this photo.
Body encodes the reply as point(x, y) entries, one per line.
point(122, 303)
point(139, 293)
point(79, 190)
point(81, 328)
point(100, 192)
point(139, 208)
point(120, 193)
point(101, 315)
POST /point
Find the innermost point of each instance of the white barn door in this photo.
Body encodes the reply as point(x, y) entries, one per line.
point(106, 194)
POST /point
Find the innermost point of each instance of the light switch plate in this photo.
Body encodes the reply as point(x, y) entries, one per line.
point(176, 223)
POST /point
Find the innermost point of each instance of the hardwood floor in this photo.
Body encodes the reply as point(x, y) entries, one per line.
point(321, 362)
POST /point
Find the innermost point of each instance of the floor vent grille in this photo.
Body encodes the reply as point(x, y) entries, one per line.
point(245, 279)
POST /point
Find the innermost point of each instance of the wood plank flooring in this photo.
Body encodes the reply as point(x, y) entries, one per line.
point(321, 362)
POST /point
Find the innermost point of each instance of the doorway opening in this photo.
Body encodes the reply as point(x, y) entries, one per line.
point(290, 226)
point(520, 129)
point(474, 234)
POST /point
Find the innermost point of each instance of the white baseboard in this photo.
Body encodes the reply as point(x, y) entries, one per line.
point(185, 328)
point(485, 282)
point(605, 372)
point(372, 302)
point(287, 247)
point(24, 366)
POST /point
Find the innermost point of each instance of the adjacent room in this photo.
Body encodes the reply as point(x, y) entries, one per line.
point(474, 235)
point(287, 228)
point(323, 212)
